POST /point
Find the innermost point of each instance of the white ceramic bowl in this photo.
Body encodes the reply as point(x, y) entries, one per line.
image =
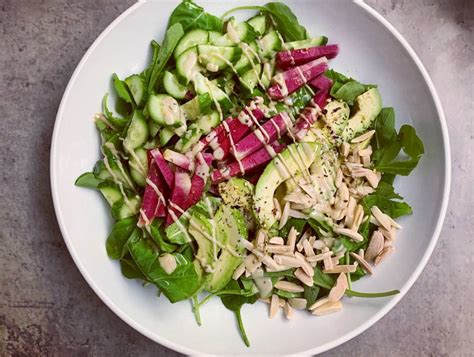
point(371, 51)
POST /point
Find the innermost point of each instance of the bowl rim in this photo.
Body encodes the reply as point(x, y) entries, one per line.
point(316, 350)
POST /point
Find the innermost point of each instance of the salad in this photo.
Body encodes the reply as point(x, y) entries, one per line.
point(239, 165)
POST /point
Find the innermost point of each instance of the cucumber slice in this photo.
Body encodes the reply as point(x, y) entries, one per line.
point(153, 128)
point(217, 58)
point(187, 64)
point(197, 106)
point(137, 168)
point(236, 33)
point(269, 44)
point(249, 52)
point(100, 172)
point(165, 135)
point(136, 86)
point(258, 23)
point(267, 73)
point(214, 35)
point(191, 39)
point(121, 210)
point(173, 87)
point(165, 110)
point(208, 122)
point(189, 138)
point(204, 85)
point(137, 132)
point(110, 192)
point(250, 78)
point(310, 42)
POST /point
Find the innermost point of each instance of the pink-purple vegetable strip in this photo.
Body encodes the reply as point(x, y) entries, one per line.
point(321, 82)
point(163, 167)
point(198, 181)
point(291, 80)
point(310, 114)
point(257, 159)
point(152, 204)
point(271, 130)
point(182, 186)
point(287, 59)
point(180, 160)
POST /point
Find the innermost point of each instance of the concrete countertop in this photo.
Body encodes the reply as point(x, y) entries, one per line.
point(46, 307)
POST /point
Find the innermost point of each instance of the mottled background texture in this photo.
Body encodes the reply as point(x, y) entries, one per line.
point(46, 307)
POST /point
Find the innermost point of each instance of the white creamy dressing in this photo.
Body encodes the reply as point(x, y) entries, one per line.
point(232, 33)
point(253, 55)
point(157, 191)
point(119, 184)
point(136, 163)
point(145, 218)
point(301, 75)
point(280, 80)
point(170, 110)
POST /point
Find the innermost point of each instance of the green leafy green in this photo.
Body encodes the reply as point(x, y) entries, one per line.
point(298, 223)
point(393, 208)
point(388, 145)
point(157, 234)
point(117, 122)
point(387, 190)
point(325, 281)
point(181, 284)
point(345, 88)
point(286, 22)
point(121, 232)
point(121, 89)
point(310, 294)
point(234, 303)
point(371, 295)
point(130, 270)
point(88, 180)
point(353, 246)
point(173, 35)
point(191, 15)
point(277, 274)
point(359, 273)
point(287, 295)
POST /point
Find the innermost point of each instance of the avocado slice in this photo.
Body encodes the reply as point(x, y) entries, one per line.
point(238, 192)
point(367, 106)
point(337, 116)
point(289, 163)
point(231, 223)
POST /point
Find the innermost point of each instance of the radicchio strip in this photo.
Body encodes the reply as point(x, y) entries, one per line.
point(287, 59)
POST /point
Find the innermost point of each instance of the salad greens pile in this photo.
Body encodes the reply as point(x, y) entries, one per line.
point(238, 165)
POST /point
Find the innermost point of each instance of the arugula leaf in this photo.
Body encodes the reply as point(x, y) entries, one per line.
point(394, 209)
point(234, 303)
point(286, 22)
point(345, 88)
point(310, 294)
point(325, 281)
point(191, 15)
point(172, 37)
point(181, 284)
point(88, 180)
point(121, 232)
point(121, 89)
point(388, 145)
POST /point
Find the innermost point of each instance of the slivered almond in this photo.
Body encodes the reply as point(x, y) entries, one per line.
point(382, 255)
point(387, 243)
point(308, 249)
point(287, 260)
point(277, 205)
point(289, 313)
point(292, 238)
point(299, 245)
point(239, 271)
point(265, 300)
point(311, 240)
point(366, 161)
point(365, 265)
point(260, 240)
point(319, 244)
point(381, 217)
point(394, 223)
point(367, 135)
point(373, 178)
point(278, 249)
point(319, 257)
point(274, 305)
point(366, 152)
point(351, 208)
point(338, 290)
point(335, 261)
point(279, 267)
point(389, 235)
point(375, 246)
point(298, 303)
point(361, 253)
point(349, 233)
point(358, 217)
point(296, 214)
point(303, 277)
point(345, 148)
point(318, 303)
point(328, 308)
point(308, 269)
point(289, 287)
point(269, 262)
point(342, 197)
point(339, 176)
point(341, 269)
point(277, 241)
point(284, 215)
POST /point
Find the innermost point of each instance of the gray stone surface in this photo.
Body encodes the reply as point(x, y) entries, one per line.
point(45, 305)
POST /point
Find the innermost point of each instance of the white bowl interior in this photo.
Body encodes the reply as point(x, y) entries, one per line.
point(370, 53)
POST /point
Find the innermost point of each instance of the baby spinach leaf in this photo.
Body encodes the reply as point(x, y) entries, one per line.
point(345, 88)
point(157, 234)
point(298, 223)
point(388, 145)
point(277, 274)
point(191, 15)
point(359, 273)
point(121, 232)
point(172, 36)
point(130, 270)
point(310, 294)
point(88, 180)
point(353, 246)
point(393, 208)
point(325, 281)
point(115, 121)
point(286, 22)
point(181, 284)
point(386, 189)
point(121, 89)
point(287, 294)
point(234, 303)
